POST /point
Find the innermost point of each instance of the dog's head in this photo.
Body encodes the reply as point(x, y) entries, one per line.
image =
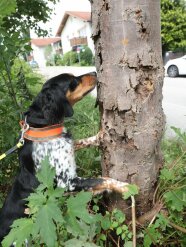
point(59, 94)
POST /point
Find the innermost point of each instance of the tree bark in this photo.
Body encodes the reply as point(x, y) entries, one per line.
point(130, 72)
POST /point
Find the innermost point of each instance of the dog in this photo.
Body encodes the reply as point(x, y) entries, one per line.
point(43, 135)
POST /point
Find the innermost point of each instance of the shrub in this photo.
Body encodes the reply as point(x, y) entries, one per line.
point(69, 58)
point(24, 84)
point(86, 56)
point(57, 59)
point(168, 227)
point(57, 218)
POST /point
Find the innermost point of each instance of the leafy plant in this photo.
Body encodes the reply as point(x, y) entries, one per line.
point(86, 56)
point(54, 216)
point(25, 85)
point(173, 27)
point(69, 58)
point(169, 228)
point(113, 223)
point(133, 190)
point(26, 15)
point(57, 218)
point(17, 81)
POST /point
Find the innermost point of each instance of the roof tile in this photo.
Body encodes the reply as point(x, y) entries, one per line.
point(44, 41)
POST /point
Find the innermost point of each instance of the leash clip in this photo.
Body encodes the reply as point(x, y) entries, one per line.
point(25, 128)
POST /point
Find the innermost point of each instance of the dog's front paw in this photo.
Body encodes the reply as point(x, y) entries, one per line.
point(109, 185)
point(115, 185)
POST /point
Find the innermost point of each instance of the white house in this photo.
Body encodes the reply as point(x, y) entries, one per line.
point(75, 29)
point(39, 46)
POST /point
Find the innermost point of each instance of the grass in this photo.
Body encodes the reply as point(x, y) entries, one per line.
point(85, 123)
point(175, 147)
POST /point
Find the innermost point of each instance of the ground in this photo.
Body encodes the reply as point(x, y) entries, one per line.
point(174, 94)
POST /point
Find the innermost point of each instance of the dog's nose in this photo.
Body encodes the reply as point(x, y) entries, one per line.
point(93, 73)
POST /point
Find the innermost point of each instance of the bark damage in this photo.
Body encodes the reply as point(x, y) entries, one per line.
point(128, 61)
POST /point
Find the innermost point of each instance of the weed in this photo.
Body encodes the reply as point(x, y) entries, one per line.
point(169, 228)
point(57, 218)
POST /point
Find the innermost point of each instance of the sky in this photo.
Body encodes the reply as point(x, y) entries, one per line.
point(59, 9)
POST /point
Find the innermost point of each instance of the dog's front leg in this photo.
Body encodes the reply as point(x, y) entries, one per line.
point(90, 141)
point(99, 185)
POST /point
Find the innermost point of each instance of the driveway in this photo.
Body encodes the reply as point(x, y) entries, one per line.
point(174, 95)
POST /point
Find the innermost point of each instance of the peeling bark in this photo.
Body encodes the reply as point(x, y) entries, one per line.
point(130, 72)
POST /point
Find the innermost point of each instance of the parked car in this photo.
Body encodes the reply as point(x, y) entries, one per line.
point(176, 67)
point(33, 64)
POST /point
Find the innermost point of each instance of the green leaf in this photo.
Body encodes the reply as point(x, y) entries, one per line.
point(46, 174)
point(167, 174)
point(36, 201)
point(151, 236)
point(123, 235)
point(179, 133)
point(128, 244)
point(79, 243)
point(77, 211)
point(103, 237)
point(73, 225)
point(176, 199)
point(89, 231)
point(77, 207)
point(161, 222)
point(45, 225)
point(106, 223)
point(115, 224)
point(7, 7)
point(21, 230)
point(118, 230)
point(55, 212)
point(56, 193)
point(119, 215)
point(133, 190)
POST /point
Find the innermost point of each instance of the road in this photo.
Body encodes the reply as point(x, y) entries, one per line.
point(174, 103)
point(174, 95)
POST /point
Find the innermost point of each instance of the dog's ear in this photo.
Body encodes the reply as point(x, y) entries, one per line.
point(55, 106)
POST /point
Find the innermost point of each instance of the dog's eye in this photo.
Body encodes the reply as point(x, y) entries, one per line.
point(73, 85)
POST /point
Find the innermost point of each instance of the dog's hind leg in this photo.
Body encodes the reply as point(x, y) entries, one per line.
point(14, 205)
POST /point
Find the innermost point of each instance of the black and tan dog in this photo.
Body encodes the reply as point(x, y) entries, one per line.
point(44, 136)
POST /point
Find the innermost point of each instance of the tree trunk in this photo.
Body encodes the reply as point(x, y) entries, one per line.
point(129, 64)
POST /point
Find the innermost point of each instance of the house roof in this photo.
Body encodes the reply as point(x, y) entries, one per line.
point(45, 41)
point(85, 16)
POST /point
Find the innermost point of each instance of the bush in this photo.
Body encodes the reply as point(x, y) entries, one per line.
point(53, 60)
point(24, 85)
point(57, 218)
point(169, 226)
point(57, 59)
point(86, 56)
point(69, 58)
